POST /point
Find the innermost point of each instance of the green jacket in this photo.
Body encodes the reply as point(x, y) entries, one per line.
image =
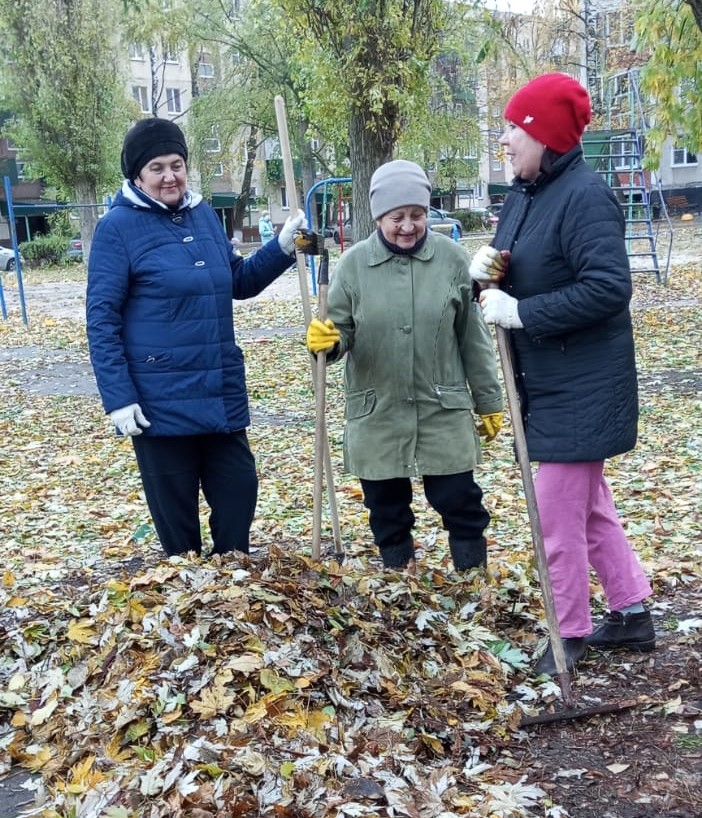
point(419, 359)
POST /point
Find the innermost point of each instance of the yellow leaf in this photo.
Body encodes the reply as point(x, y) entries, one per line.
point(8, 579)
point(245, 663)
point(114, 751)
point(255, 712)
point(433, 742)
point(16, 602)
point(41, 714)
point(213, 700)
point(137, 611)
point(167, 718)
point(83, 777)
point(37, 760)
point(274, 683)
point(16, 682)
point(82, 631)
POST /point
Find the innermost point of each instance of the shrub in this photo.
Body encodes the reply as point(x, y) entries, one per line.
point(472, 220)
point(43, 250)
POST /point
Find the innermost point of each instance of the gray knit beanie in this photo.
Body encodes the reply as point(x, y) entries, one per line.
point(398, 184)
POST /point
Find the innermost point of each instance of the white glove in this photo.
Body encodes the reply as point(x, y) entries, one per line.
point(500, 308)
point(288, 230)
point(487, 264)
point(129, 419)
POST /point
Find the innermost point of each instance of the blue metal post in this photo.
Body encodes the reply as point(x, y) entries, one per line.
point(308, 213)
point(18, 264)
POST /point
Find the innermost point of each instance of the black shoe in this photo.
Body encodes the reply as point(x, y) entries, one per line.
point(467, 554)
point(399, 555)
point(574, 648)
point(633, 631)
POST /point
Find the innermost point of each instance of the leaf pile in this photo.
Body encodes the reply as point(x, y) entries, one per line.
point(135, 686)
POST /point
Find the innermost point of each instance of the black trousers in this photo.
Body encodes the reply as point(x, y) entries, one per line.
point(456, 497)
point(173, 469)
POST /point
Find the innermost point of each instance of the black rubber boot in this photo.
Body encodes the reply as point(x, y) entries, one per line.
point(398, 555)
point(468, 554)
point(574, 648)
point(633, 631)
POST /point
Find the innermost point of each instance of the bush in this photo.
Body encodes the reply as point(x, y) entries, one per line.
point(43, 250)
point(473, 221)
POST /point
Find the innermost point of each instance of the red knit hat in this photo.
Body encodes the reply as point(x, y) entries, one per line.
point(553, 108)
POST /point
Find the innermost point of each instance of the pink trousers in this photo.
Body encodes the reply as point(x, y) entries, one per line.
point(581, 527)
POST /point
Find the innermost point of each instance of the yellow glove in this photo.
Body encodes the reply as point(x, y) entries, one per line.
point(321, 337)
point(490, 425)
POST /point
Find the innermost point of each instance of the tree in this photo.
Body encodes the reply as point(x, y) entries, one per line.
point(669, 31)
point(366, 65)
point(67, 98)
point(263, 62)
point(696, 6)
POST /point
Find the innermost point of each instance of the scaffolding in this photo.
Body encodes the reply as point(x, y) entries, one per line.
point(616, 153)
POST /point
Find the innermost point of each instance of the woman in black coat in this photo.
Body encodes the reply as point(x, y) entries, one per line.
point(564, 293)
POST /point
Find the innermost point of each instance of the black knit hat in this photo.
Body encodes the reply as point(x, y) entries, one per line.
point(150, 138)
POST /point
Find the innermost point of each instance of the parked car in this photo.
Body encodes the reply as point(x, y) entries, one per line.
point(348, 232)
point(443, 223)
point(7, 258)
point(494, 213)
point(74, 252)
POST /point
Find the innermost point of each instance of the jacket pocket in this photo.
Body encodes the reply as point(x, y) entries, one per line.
point(360, 404)
point(150, 363)
point(453, 397)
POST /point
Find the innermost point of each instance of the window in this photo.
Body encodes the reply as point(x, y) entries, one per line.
point(173, 101)
point(212, 145)
point(621, 87)
point(681, 157)
point(169, 53)
point(284, 198)
point(136, 51)
point(219, 169)
point(205, 67)
point(622, 153)
point(20, 170)
point(141, 95)
point(618, 27)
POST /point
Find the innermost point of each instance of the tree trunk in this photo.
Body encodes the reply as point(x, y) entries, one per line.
point(155, 86)
point(308, 168)
point(696, 6)
point(86, 197)
point(367, 151)
point(242, 200)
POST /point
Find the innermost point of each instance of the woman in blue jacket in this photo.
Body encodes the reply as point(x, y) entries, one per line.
point(161, 278)
point(565, 297)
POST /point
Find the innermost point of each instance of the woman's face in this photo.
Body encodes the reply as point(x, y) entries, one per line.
point(164, 178)
point(523, 151)
point(404, 226)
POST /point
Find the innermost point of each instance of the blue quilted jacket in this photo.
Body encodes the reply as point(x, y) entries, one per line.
point(160, 314)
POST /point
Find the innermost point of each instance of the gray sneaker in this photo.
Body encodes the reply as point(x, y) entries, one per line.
point(633, 631)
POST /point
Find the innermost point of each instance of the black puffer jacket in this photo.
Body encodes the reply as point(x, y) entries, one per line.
point(574, 359)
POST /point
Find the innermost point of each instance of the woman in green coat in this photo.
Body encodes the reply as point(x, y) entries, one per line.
point(419, 363)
